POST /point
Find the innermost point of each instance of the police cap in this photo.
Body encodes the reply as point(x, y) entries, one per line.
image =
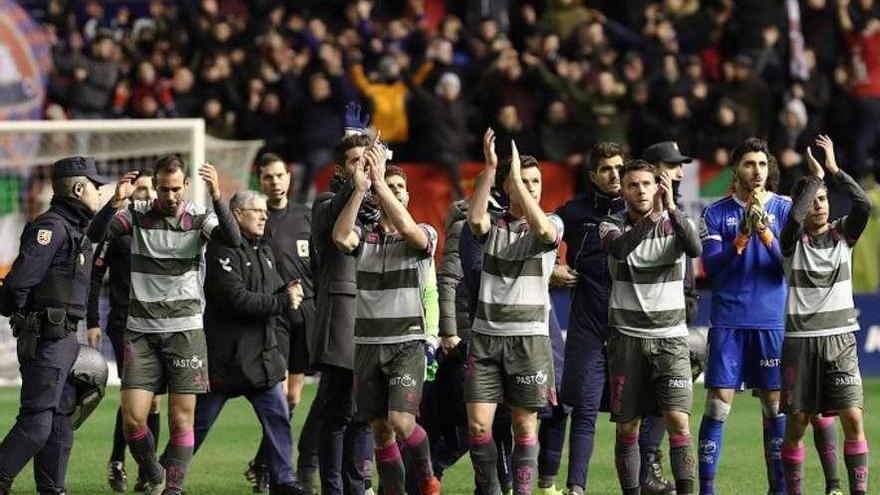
point(78, 166)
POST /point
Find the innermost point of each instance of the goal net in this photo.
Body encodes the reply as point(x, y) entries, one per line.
point(28, 149)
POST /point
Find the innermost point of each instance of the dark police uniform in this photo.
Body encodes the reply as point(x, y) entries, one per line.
point(46, 292)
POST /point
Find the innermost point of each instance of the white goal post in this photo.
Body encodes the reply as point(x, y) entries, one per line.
point(28, 148)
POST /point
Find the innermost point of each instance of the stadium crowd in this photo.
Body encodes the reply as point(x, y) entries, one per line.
point(352, 279)
point(557, 75)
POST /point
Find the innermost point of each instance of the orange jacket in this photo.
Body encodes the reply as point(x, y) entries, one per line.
point(389, 101)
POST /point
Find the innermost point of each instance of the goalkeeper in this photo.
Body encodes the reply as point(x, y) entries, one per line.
point(742, 258)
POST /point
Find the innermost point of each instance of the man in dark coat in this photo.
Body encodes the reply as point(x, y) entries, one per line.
point(345, 445)
point(246, 301)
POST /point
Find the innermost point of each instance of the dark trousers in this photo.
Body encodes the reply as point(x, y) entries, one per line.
point(345, 445)
point(43, 430)
point(274, 415)
point(583, 389)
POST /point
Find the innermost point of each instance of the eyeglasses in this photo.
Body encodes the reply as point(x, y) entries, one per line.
point(258, 210)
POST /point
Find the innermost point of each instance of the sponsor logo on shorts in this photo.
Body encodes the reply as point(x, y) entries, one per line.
point(405, 380)
point(679, 383)
point(770, 363)
point(844, 381)
point(195, 362)
point(537, 378)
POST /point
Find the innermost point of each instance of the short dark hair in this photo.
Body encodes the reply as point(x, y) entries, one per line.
point(756, 145)
point(392, 170)
point(637, 165)
point(526, 161)
point(170, 164)
point(347, 143)
point(750, 145)
point(603, 150)
point(145, 172)
point(798, 189)
point(63, 187)
point(265, 160)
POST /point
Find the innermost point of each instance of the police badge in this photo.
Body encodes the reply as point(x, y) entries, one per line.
point(44, 237)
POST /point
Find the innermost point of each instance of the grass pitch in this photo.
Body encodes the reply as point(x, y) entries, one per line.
point(218, 467)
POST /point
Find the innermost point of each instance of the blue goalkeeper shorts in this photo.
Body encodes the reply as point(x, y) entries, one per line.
point(744, 357)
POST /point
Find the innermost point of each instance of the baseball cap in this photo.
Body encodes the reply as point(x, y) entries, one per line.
point(665, 151)
point(77, 166)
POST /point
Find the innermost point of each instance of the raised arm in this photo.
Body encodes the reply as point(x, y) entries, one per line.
point(682, 227)
point(794, 224)
point(225, 230)
point(620, 244)
point(478, 214)
point(397, 213)
point(99, 226)
point(538, 221)
point(344, 234)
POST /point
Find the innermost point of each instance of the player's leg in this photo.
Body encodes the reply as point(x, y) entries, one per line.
point(651, 433)
point(551, 438)
point(484, 389)
point(181, 415)
point(855, 449)
point(405, 372)
point(184, 358)
point(135, 410)
point(765, 356)
point(525, 448)
point(529, 385)
point(626, 456)
point(629, 378)
point(672, 384)
point(842, 383)
point(724, 372)
point(116, 475)
point(154, 423)
point(681, 450)
point(142, 376)
point(825, 440)
point(502, 435)
point(793, 452)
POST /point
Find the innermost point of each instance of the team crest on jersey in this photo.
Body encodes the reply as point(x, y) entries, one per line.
point(44, 237)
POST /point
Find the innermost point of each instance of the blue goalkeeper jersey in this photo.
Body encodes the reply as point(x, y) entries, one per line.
point(748, 289)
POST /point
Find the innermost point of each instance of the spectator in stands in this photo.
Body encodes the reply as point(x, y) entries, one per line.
point(388, 93)
point(94, 79)
point(185, 99)
point(862, 36)
point(446, 119)
point(722, 134)
point(318, 118)
point(561, 138)
point(509, 127)
point(790, 140)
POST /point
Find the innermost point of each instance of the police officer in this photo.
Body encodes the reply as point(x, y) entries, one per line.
point(45, 293)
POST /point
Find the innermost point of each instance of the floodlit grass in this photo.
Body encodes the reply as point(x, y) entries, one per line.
point(218, 467)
